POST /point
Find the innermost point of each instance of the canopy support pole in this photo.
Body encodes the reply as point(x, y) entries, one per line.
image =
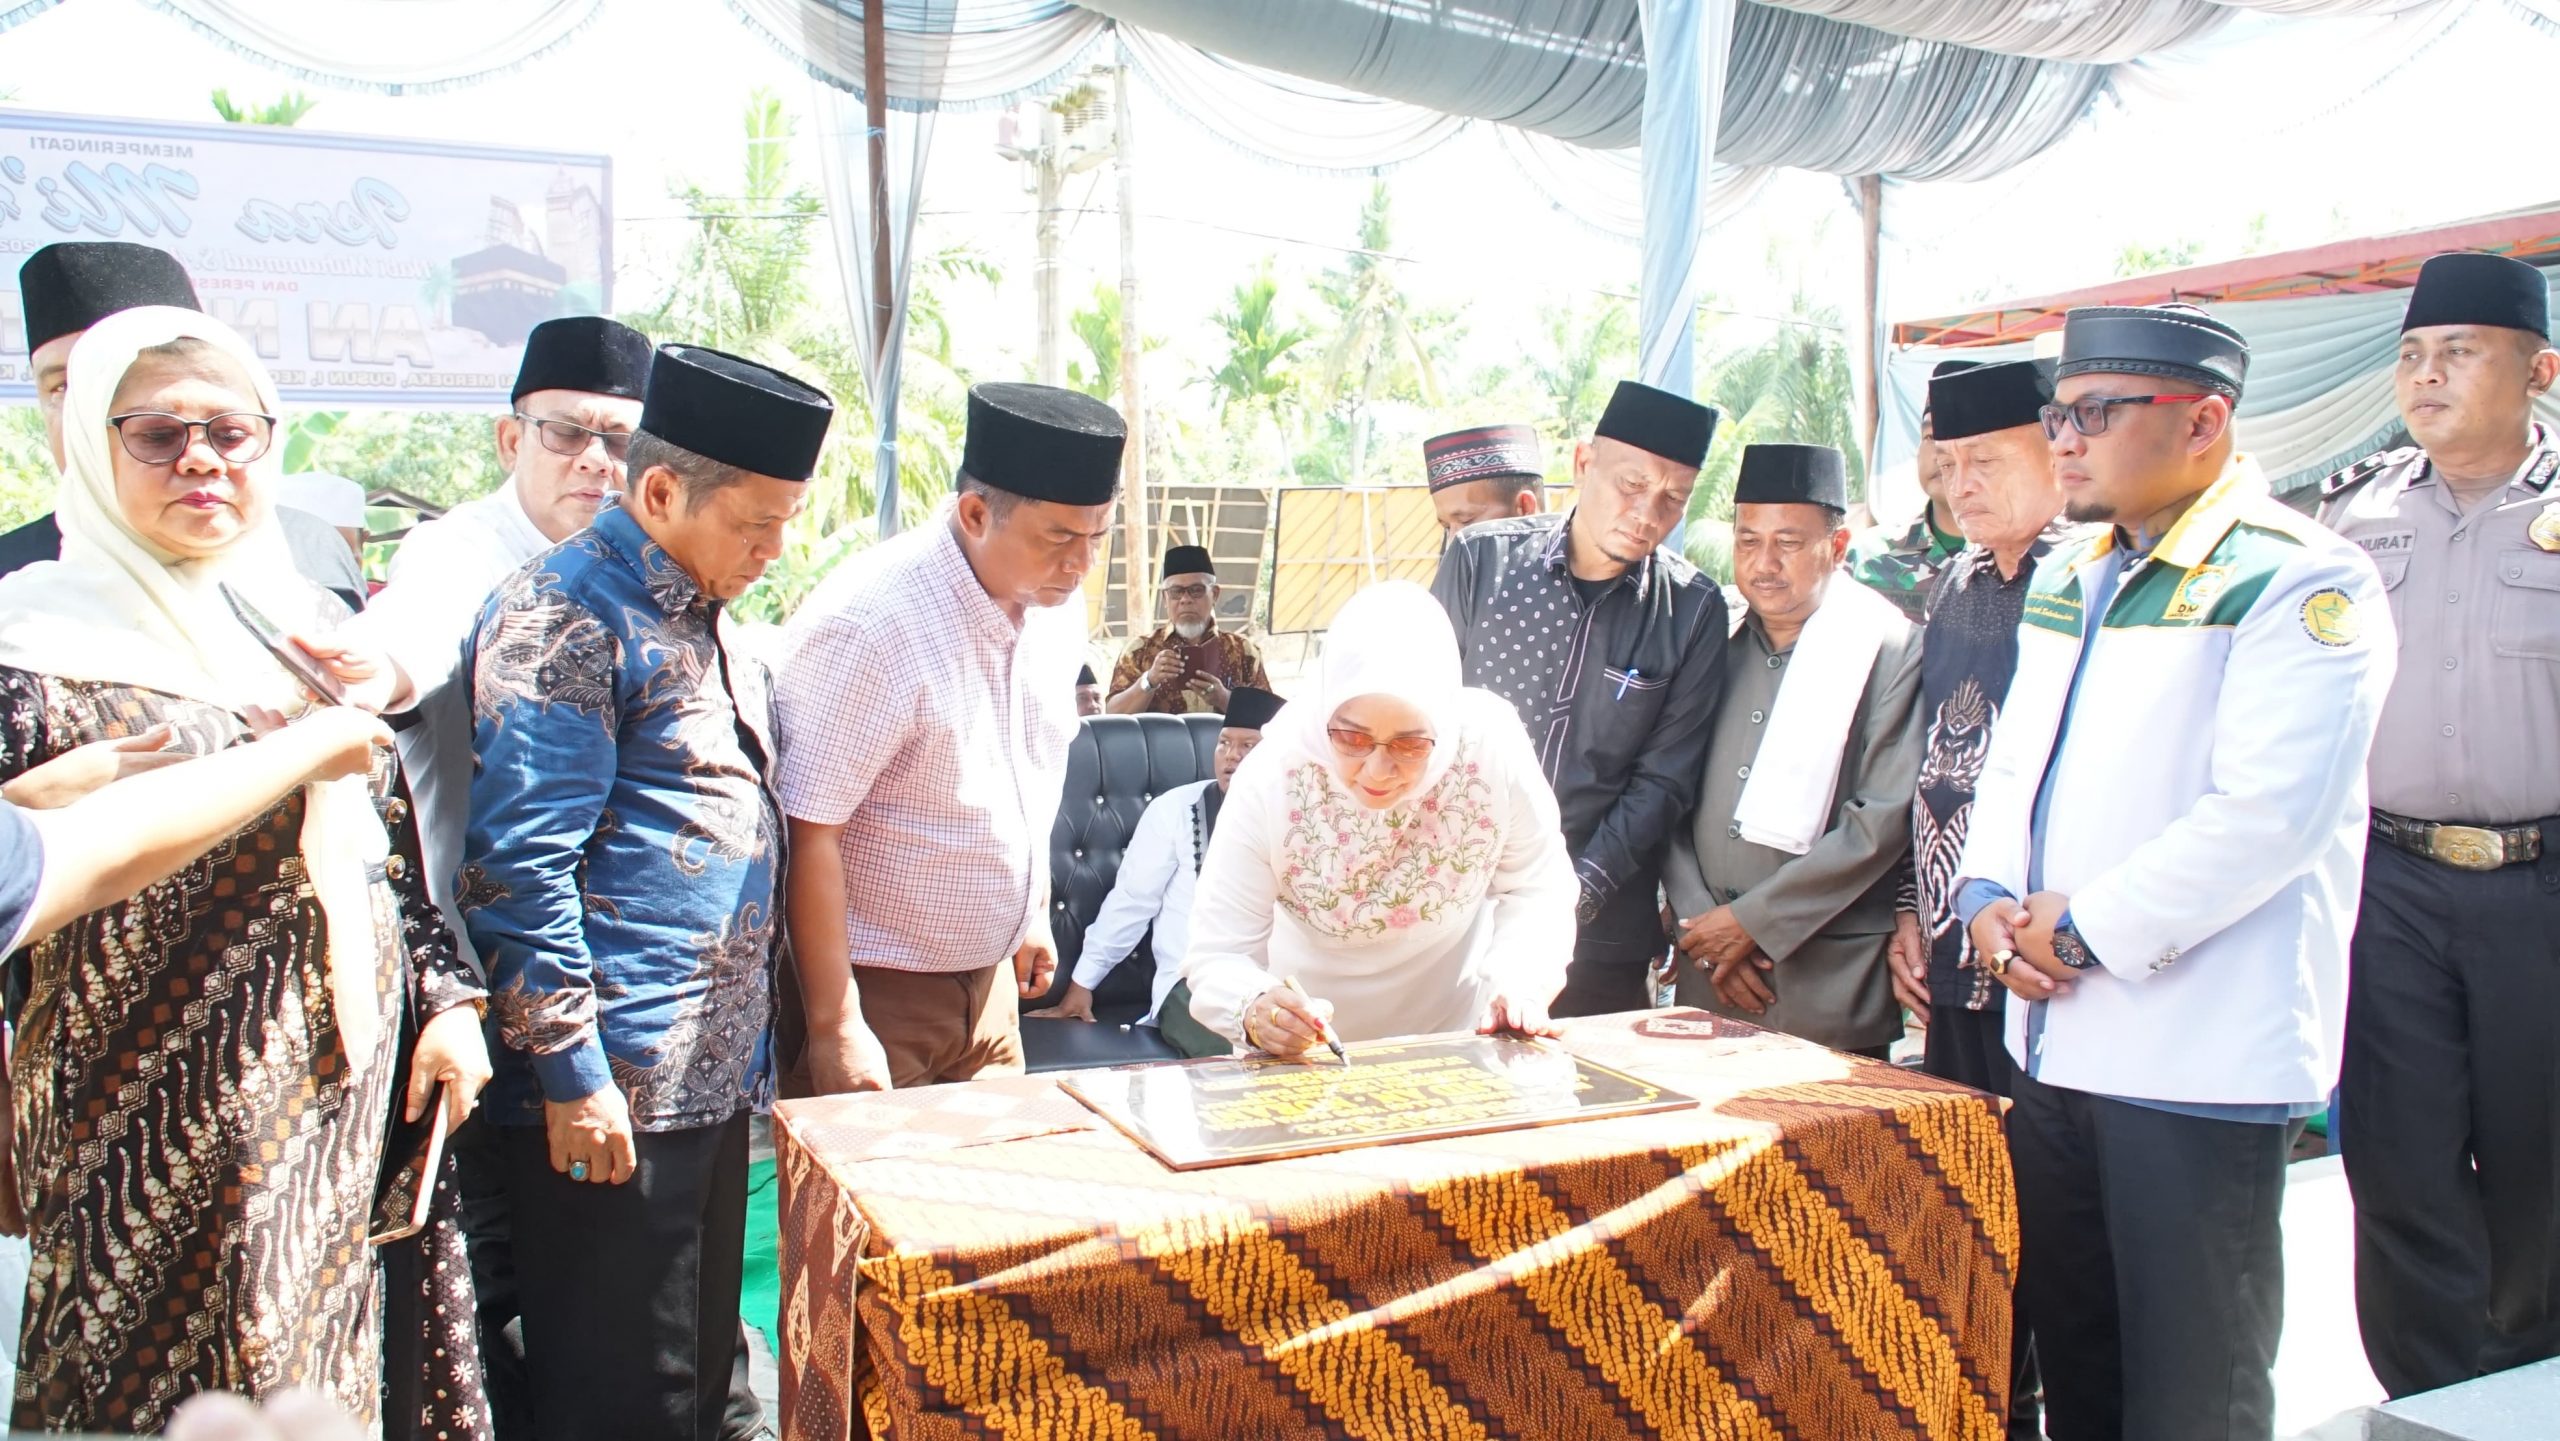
point(1869, 353)
point(1133, 458)
point(1686, 44)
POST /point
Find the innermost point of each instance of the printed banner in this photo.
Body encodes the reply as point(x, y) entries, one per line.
point(366, 270)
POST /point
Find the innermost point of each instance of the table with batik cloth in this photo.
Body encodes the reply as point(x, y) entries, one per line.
point(1821, 1248)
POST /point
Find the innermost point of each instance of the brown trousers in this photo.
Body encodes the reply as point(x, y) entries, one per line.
point(946, 1026)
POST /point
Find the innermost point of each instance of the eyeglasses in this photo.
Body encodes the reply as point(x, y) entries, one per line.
point(1357, 745)
point(567, 437)
point(2089, 417)
point(155, 437)
point(1186, 592)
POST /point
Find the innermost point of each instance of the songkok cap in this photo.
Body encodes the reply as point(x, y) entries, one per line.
point(2467, 287)
point(1250, 708)
point(586, 353)
point(1187, 560)
point(1042, 442)
point(2173, 342)
point(333, 498)
point(734, 411)
point(1792, 475)
point(69, 286)
point(1981, 399)
point(1085, 676)
point(1483, 452)
point(1659, 423)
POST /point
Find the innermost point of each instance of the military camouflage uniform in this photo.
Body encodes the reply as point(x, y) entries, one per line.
point(1904, 568)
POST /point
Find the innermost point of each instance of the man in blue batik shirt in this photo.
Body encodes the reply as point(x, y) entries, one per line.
point(618, 879)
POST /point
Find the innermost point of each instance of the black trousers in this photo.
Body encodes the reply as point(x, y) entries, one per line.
point(2154, 1266)
point(2452, 1069)
point(1614, 956)
point(1969, 1048)
point(480, 1174)
point(630, 1292)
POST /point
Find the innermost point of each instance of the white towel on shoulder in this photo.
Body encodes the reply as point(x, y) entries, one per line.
point(1786, 804)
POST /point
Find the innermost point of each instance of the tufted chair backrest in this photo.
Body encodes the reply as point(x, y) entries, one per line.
point(1115, 767)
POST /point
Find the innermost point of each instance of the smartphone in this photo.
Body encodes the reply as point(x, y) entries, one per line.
point(406, 1189)
point(293, 658)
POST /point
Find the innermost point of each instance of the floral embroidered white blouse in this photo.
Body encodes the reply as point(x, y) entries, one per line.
point(1408, 919)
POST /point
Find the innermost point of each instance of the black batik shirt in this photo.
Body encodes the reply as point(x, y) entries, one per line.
point(1617, 692)
point(1968, 654)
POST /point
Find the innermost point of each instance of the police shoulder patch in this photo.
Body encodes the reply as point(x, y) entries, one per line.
point(2329, 617)
point(2362, 471)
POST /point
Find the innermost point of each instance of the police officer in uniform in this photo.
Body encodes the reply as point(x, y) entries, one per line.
point(2452, 1072)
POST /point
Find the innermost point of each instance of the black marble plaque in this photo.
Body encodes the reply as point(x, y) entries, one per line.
point(1221, 1112)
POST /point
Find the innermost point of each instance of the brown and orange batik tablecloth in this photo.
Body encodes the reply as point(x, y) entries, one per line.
point(1822, 1248)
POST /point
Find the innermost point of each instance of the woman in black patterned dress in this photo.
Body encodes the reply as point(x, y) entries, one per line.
point(204, 1076)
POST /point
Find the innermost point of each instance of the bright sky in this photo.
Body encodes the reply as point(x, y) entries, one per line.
point(2326, 128)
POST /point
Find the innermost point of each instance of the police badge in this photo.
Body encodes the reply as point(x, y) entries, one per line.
point(2545, 530)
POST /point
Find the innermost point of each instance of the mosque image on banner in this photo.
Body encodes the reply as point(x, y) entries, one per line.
point(364, 270)
point(1224, 1112)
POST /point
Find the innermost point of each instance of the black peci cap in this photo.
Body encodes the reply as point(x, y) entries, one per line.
point(1044, 443)
point(732, 410)
point(67, 287)
point(1658, 423)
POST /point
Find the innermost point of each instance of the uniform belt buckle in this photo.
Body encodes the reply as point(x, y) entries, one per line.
point(2468, 848)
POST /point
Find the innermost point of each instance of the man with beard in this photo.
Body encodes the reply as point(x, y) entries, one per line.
point(2161, 868)
point(1187, 664)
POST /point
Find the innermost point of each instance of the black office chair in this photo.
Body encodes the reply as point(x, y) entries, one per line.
point(1117, 765)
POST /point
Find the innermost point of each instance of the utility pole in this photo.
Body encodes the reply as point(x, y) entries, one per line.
point(1052, 183)
point(1073, 138)
point(1133, 459)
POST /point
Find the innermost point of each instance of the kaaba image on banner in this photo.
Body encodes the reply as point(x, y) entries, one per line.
point(1197, 1114)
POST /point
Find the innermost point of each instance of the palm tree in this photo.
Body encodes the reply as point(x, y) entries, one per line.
point(291, 108)
point(1791, 385)
point(1377, 350)
point(1592, 346)
point(744, 287)
point(1255, 377)
point(1098, 326)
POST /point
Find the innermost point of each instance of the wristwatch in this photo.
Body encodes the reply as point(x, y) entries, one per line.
point(2069, 949)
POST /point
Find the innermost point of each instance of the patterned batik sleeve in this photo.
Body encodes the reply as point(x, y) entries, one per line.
point(544, 714)
point(439, 978)
point(25, 742)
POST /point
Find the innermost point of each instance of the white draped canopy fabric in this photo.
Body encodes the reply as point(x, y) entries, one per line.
point(1905, 89)
point(2319, 396)
point(394, 47)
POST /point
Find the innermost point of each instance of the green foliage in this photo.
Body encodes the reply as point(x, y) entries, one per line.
point(1788, 382)
point(1098, 326)
point(1258, 378)
point(1382, 346)
point(27, 476)
point(1594, 347)
point(284, 111)
point(2147, 259)
point(302, 437)
point(442, 456)
point(744, 287)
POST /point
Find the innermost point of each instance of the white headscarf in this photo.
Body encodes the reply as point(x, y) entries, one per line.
point(1392, 639)
point(117, 609)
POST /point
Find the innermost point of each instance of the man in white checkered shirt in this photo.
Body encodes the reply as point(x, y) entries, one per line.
point(925, 702)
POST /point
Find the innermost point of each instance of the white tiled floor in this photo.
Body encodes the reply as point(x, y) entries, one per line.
point(2320, 1369)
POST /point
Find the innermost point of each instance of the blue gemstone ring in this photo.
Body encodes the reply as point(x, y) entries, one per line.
point(577, 1170)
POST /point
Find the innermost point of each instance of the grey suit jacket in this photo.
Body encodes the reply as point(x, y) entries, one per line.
point(1824, 917)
